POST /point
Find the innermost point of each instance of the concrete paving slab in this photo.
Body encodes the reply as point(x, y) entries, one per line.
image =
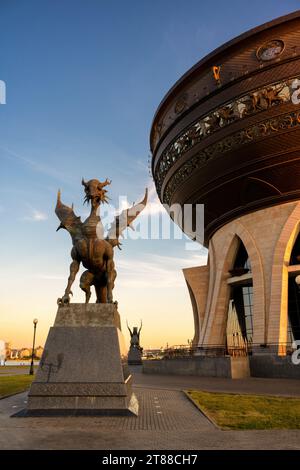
point(167, 420)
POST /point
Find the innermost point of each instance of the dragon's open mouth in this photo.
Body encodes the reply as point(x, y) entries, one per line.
point(93, 199)
point(96, 199)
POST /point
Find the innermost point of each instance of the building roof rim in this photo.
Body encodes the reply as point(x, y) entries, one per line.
point(227, 45)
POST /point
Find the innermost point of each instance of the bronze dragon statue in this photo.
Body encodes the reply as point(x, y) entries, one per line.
point(90, 248)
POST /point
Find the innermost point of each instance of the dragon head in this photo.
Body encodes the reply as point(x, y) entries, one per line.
point(94, 191)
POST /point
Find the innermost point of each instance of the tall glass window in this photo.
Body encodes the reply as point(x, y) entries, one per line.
point(293, 310)
point(240, 314)
point(248, 308)
point(294, 295)
point(242, 258)
point(295, 255)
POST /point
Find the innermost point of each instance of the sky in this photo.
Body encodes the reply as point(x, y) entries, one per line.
point(83, 81)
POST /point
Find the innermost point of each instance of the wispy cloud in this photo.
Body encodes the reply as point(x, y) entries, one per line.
point(153, 206)
point(39, 166)
point(157, 271)
point(49, 277)
point(36, 216)
point(141, 164)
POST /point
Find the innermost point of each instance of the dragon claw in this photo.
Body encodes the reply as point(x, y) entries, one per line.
point(64, 300)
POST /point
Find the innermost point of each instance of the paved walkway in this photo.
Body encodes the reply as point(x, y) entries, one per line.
point(252, 385)
point(167, 420)
point(15, 370)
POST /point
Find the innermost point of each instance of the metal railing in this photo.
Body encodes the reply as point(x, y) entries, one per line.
point(187, 350)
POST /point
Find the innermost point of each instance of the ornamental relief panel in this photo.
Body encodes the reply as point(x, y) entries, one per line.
point(247, 105)
point(245, 136)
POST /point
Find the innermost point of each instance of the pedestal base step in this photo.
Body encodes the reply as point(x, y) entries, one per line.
point(131, 410)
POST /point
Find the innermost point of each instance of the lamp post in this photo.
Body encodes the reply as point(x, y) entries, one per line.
point(32, 355)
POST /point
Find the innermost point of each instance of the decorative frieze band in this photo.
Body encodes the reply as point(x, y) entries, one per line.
point(238, 139)
point(247, 105)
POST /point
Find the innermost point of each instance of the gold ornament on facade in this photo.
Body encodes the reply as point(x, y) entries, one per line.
point(181, 104)
point(270, 50)
point(216, 70)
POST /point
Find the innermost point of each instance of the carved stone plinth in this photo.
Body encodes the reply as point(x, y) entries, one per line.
point(84, 366)
point(135, 356)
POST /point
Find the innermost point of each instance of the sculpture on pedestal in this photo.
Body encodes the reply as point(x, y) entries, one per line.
point(90, 247)
point(84, 367)
point(135, 351)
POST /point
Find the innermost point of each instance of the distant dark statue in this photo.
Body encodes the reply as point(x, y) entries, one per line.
point(90, 247)
point(135, 336)
point(135, 351)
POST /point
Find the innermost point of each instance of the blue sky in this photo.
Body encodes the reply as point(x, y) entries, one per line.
point(83, 80)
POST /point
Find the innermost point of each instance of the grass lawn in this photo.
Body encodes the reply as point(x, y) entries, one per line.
point(14, 384)
point(232, 411)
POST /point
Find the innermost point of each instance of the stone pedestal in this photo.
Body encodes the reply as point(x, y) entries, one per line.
point(84, 366)
point(135, 356)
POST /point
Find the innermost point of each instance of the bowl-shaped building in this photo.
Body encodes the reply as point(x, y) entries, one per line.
point(227, 135)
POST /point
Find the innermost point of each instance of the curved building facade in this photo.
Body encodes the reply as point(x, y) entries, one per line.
point(227, 135)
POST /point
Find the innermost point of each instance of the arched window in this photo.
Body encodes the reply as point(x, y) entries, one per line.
point(293, 310)
point(294, 293)
point(239, 330)
point(295, 255)
point(242, 261)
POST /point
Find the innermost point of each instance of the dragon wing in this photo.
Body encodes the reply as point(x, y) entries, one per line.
point(66, 215)
point(124, 220)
